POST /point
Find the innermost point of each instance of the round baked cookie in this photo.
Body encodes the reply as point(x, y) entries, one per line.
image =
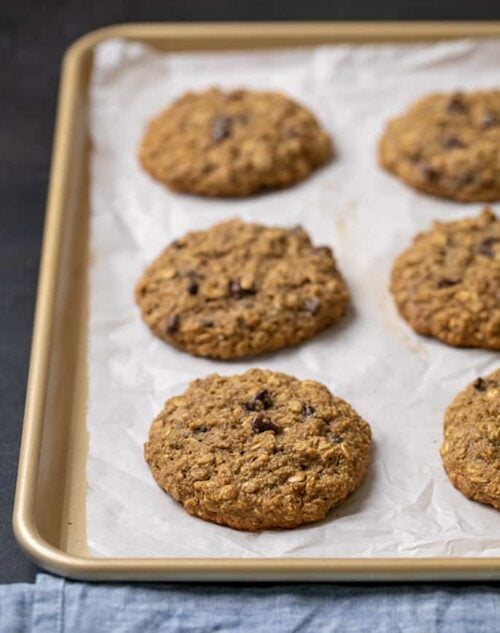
point(236, 143)
point(471, 445)
point(447, 283)
point(259, 450)
point(448, 145)
point(239, 289)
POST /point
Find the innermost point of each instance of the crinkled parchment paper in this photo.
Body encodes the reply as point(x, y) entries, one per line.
point(401, 383)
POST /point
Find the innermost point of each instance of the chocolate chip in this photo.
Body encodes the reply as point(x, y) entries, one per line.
point(263, 396)
point(465, 178)
point(319, 250)
point(312, 305)
point(430, 173)
point(452, 142)
point(234, 95)
point(207, 323)
point(200, 429)
point(261, 400)
point(290, 132)
point(486, 246)
point(240, 119)
point(193, 287)
point(178, 244)
point(489, 119)
point(262, 423)
point(221, 128)
point(235, 288)
point(337, 439)
point(308, 410)
point(456, 104)
point(237, 291)
point(446, 283)
point(173, 324)
point(480, 384)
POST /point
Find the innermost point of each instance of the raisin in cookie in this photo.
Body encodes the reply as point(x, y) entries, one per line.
point(239, 289)
point(259, 450)
point(447, 283)
point(471, 446)
point(448, 145)
point(215, 143)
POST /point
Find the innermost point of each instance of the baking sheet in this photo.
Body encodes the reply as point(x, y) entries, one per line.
point(399, 382)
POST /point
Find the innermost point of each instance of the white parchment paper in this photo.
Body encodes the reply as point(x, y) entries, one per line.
point(399, 382)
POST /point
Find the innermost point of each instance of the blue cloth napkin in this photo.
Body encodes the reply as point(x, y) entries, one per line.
point(54, 605)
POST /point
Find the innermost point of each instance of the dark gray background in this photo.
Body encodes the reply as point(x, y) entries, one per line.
point(33, 38)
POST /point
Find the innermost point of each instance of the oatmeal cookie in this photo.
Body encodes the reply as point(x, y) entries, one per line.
point(447, 283)
point(236, 143)
point(258, 450)
point(448, 145)
point(239, 289)
point(471, 445)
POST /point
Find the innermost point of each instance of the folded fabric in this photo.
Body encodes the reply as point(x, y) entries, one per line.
point(55, 605)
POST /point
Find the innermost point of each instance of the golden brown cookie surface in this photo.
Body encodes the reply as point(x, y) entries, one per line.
point(471, 445)
point(447, 145)
point(237, 143)
point(239, 289)
point(447, 283)
point(259, 450)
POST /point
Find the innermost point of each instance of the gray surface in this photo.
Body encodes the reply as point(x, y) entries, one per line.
point(33, 37)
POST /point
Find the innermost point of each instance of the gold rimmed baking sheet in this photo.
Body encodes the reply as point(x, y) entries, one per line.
point(49, 516)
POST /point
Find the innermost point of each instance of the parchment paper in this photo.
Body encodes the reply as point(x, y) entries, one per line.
point(399, 382)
